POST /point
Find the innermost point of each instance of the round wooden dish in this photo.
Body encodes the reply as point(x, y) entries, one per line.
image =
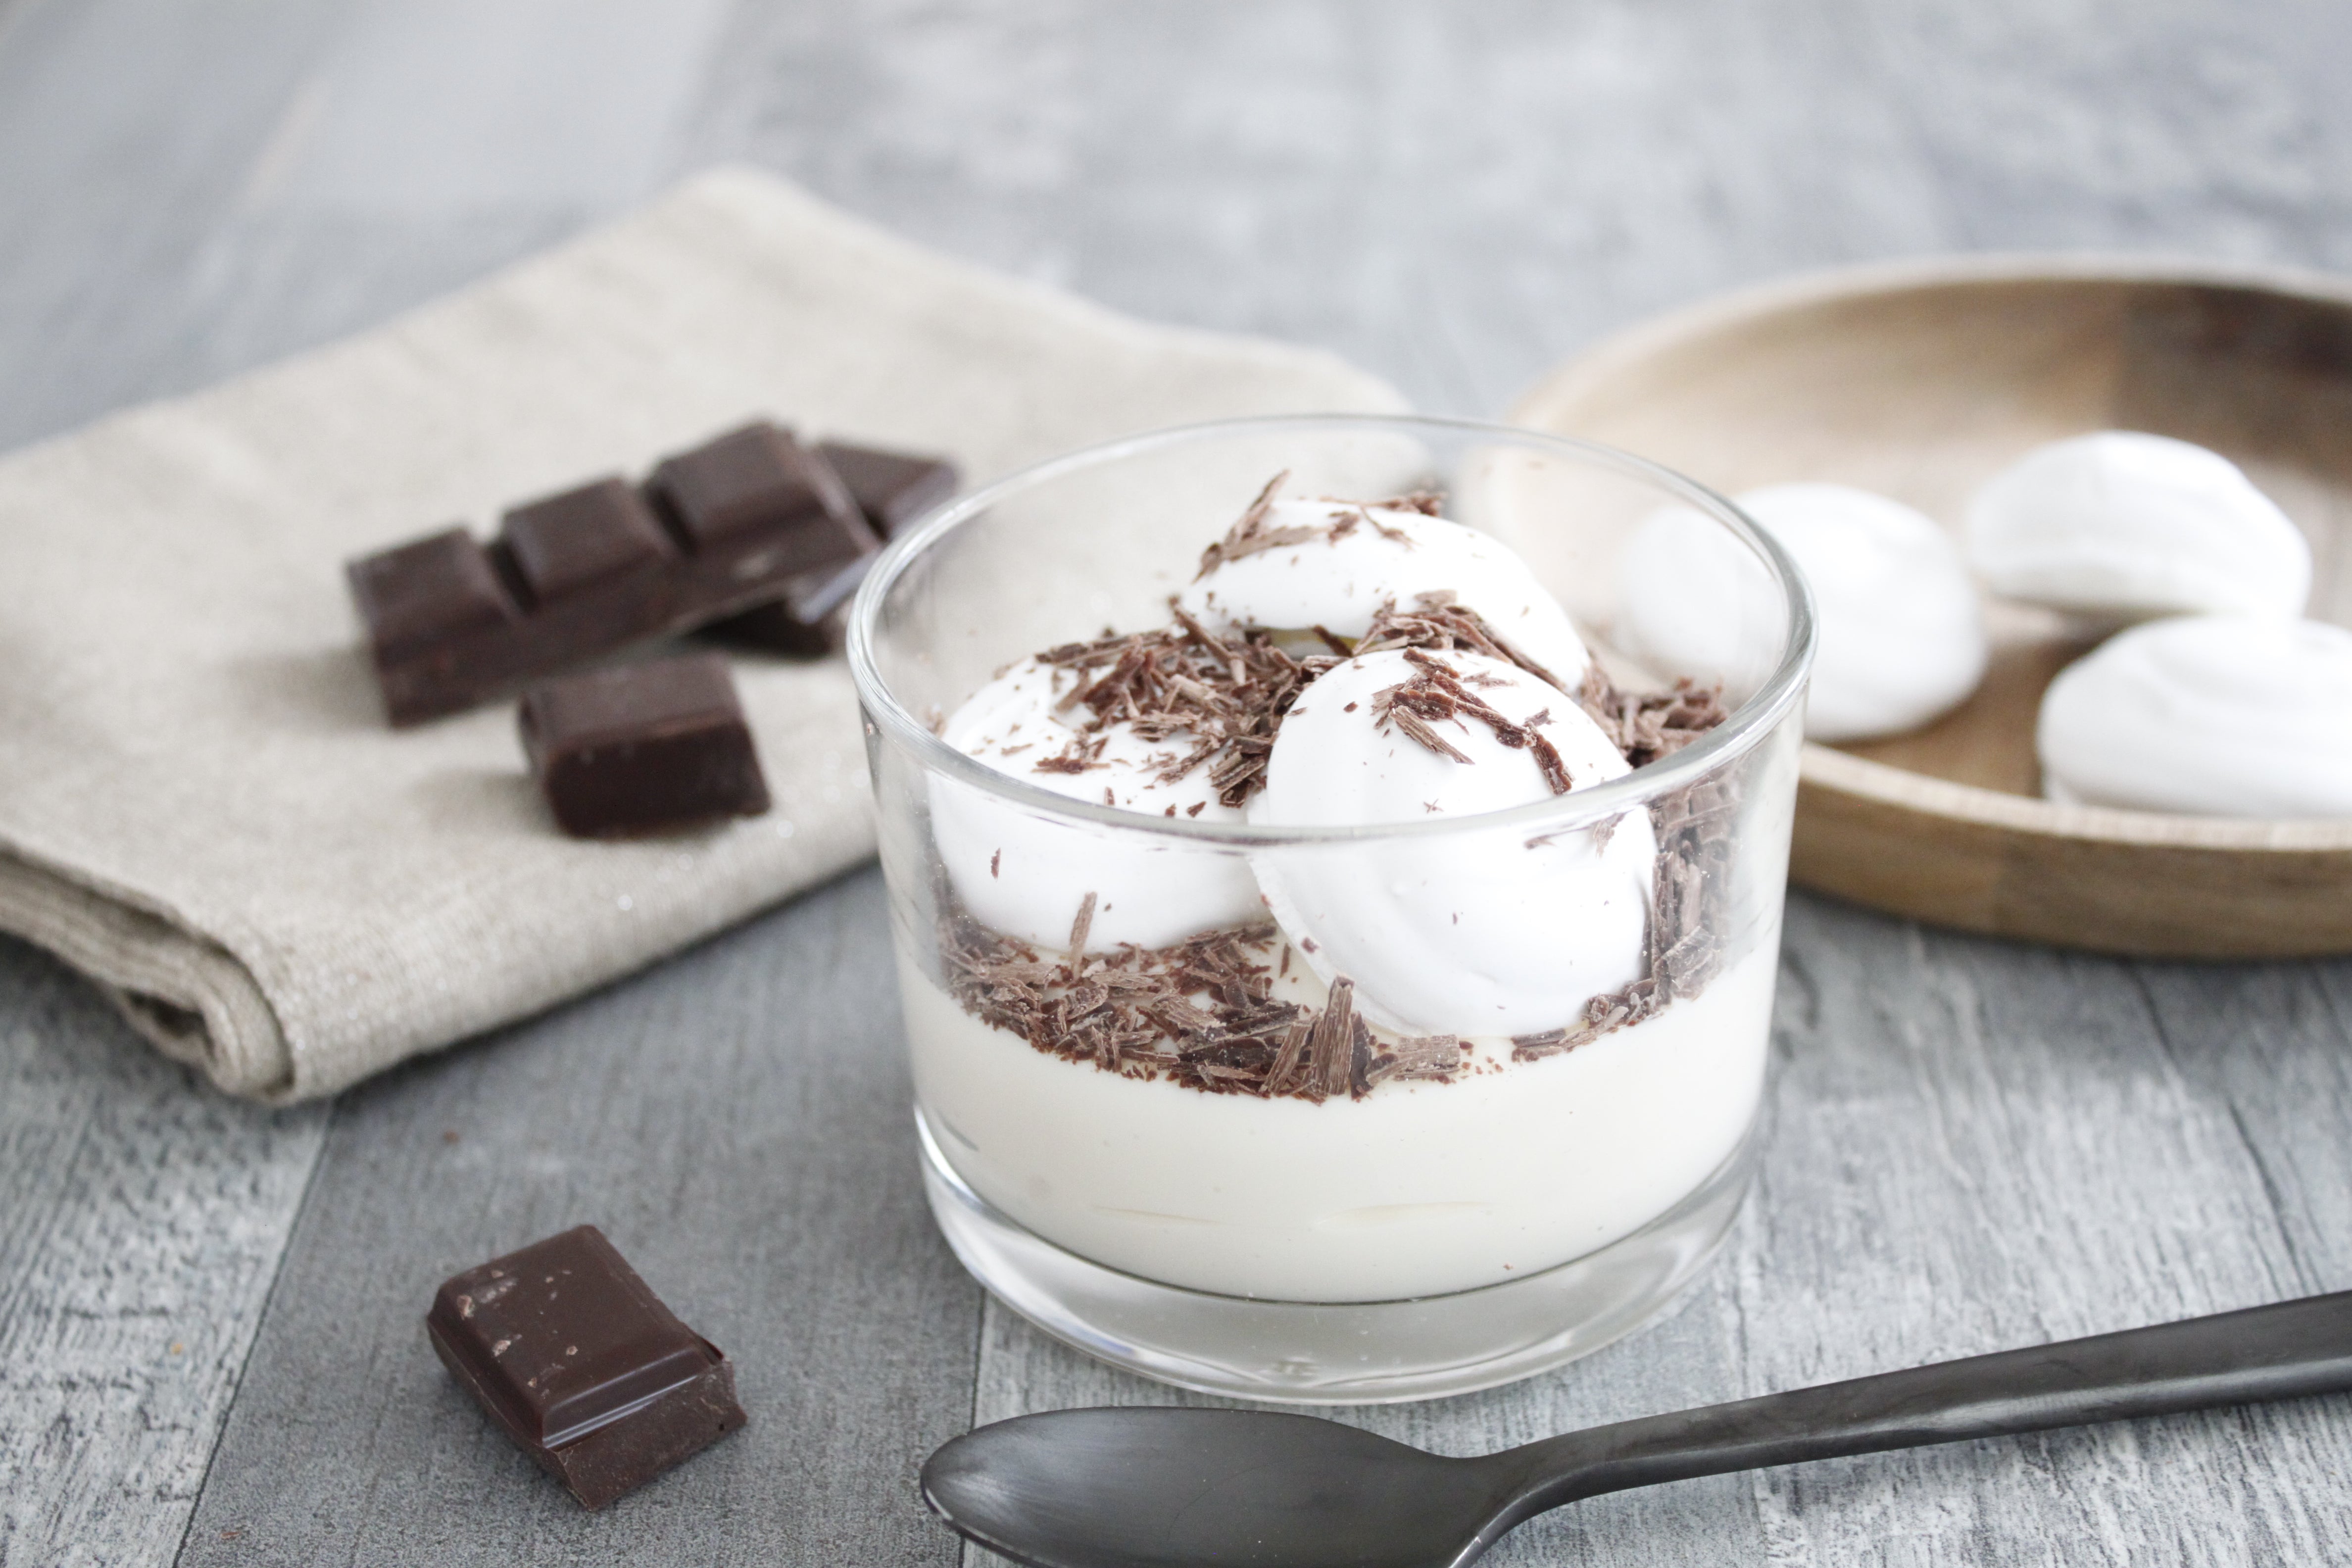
point(1919, 381)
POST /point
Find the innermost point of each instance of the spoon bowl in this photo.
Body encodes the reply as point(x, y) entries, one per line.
point(1160, 1488)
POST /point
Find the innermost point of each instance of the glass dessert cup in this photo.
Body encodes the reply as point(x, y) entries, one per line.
point(1328, 1113)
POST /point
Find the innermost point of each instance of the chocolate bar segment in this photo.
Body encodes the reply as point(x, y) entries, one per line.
point(575, 1357)
point(572, 542)
point(426, 595)
point(643, 748)
point(577, 577)
point(759, 478)
point(892, 489)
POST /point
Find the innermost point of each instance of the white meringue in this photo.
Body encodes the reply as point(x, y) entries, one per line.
point(1902, 635)
point(1693, 601)
point(2127, 525)
point(2212, 715)
point(1478, 932)
point(1027, 877)
point(1901, 638)
point(1389, 554)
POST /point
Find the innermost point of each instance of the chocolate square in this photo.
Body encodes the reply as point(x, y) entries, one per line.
point(759, 479)
point(575, 1356)
point(643, 748)
point(892, 489)
point(563, 544)
point(416, 594)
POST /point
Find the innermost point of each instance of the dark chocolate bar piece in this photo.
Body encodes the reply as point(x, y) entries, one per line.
point(421, 596)
point(643, 748)
point(569, 1351)
point(570, 542)
point(750, 518)
point(892, 489)
point(754, 479)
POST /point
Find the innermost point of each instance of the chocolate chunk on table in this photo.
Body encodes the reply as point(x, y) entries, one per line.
point(643, 748)
point(569, 1351)
point(892, 489)
point(750, 518)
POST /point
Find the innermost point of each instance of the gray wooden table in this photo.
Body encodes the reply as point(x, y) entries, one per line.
point(209, 1338)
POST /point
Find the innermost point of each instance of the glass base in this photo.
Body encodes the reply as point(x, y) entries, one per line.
point(1363, 1352)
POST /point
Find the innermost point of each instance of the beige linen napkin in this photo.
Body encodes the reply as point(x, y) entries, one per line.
point(200, 803)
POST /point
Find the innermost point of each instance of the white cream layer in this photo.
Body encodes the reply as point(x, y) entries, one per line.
point(1417, 1189)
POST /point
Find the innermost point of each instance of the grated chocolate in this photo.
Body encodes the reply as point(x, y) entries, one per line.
point(1201, 1013)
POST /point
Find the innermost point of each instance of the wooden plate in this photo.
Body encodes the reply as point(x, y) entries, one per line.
point(1919, 381)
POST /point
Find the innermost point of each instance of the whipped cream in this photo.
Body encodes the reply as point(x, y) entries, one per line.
point(1028, 876)
point(1415, 1190)
point(1473, 933)
point(2125, 525)
point(2212, 715)
point(1902, 641)
point(1349, 560)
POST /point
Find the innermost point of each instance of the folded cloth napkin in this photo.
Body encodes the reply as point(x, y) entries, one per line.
point(200, 803)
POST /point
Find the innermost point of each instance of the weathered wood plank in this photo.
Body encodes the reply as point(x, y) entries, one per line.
point(737, 1120)
point(2273, 1044)
point(141, 1218)
point(1976, 1145)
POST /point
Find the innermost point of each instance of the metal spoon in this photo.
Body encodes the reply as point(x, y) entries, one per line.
point(1156, 1488)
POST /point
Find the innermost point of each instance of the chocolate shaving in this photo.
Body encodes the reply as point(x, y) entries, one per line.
point(1080, 927)
point(1223, 698)
point(1646, 726)
point(1331, 1044)
point(1690, 880)
point(1289, 1072)
point(1250, 535)
point(1436, 622)
point(1438, 693)
point(1430, 1058)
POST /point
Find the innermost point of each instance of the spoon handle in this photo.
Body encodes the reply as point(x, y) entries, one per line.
point(2279, 1352)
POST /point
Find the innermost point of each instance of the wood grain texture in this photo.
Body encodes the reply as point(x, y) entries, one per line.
point(1455, 196)
point(141, 1220)
point(737, 1122)
point(1921, 381)
point(141, 1217)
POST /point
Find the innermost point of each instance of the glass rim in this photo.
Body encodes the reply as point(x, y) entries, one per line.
point(1719, 747)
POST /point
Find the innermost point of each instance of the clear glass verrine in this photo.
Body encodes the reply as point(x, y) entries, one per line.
point(1270, 1098)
